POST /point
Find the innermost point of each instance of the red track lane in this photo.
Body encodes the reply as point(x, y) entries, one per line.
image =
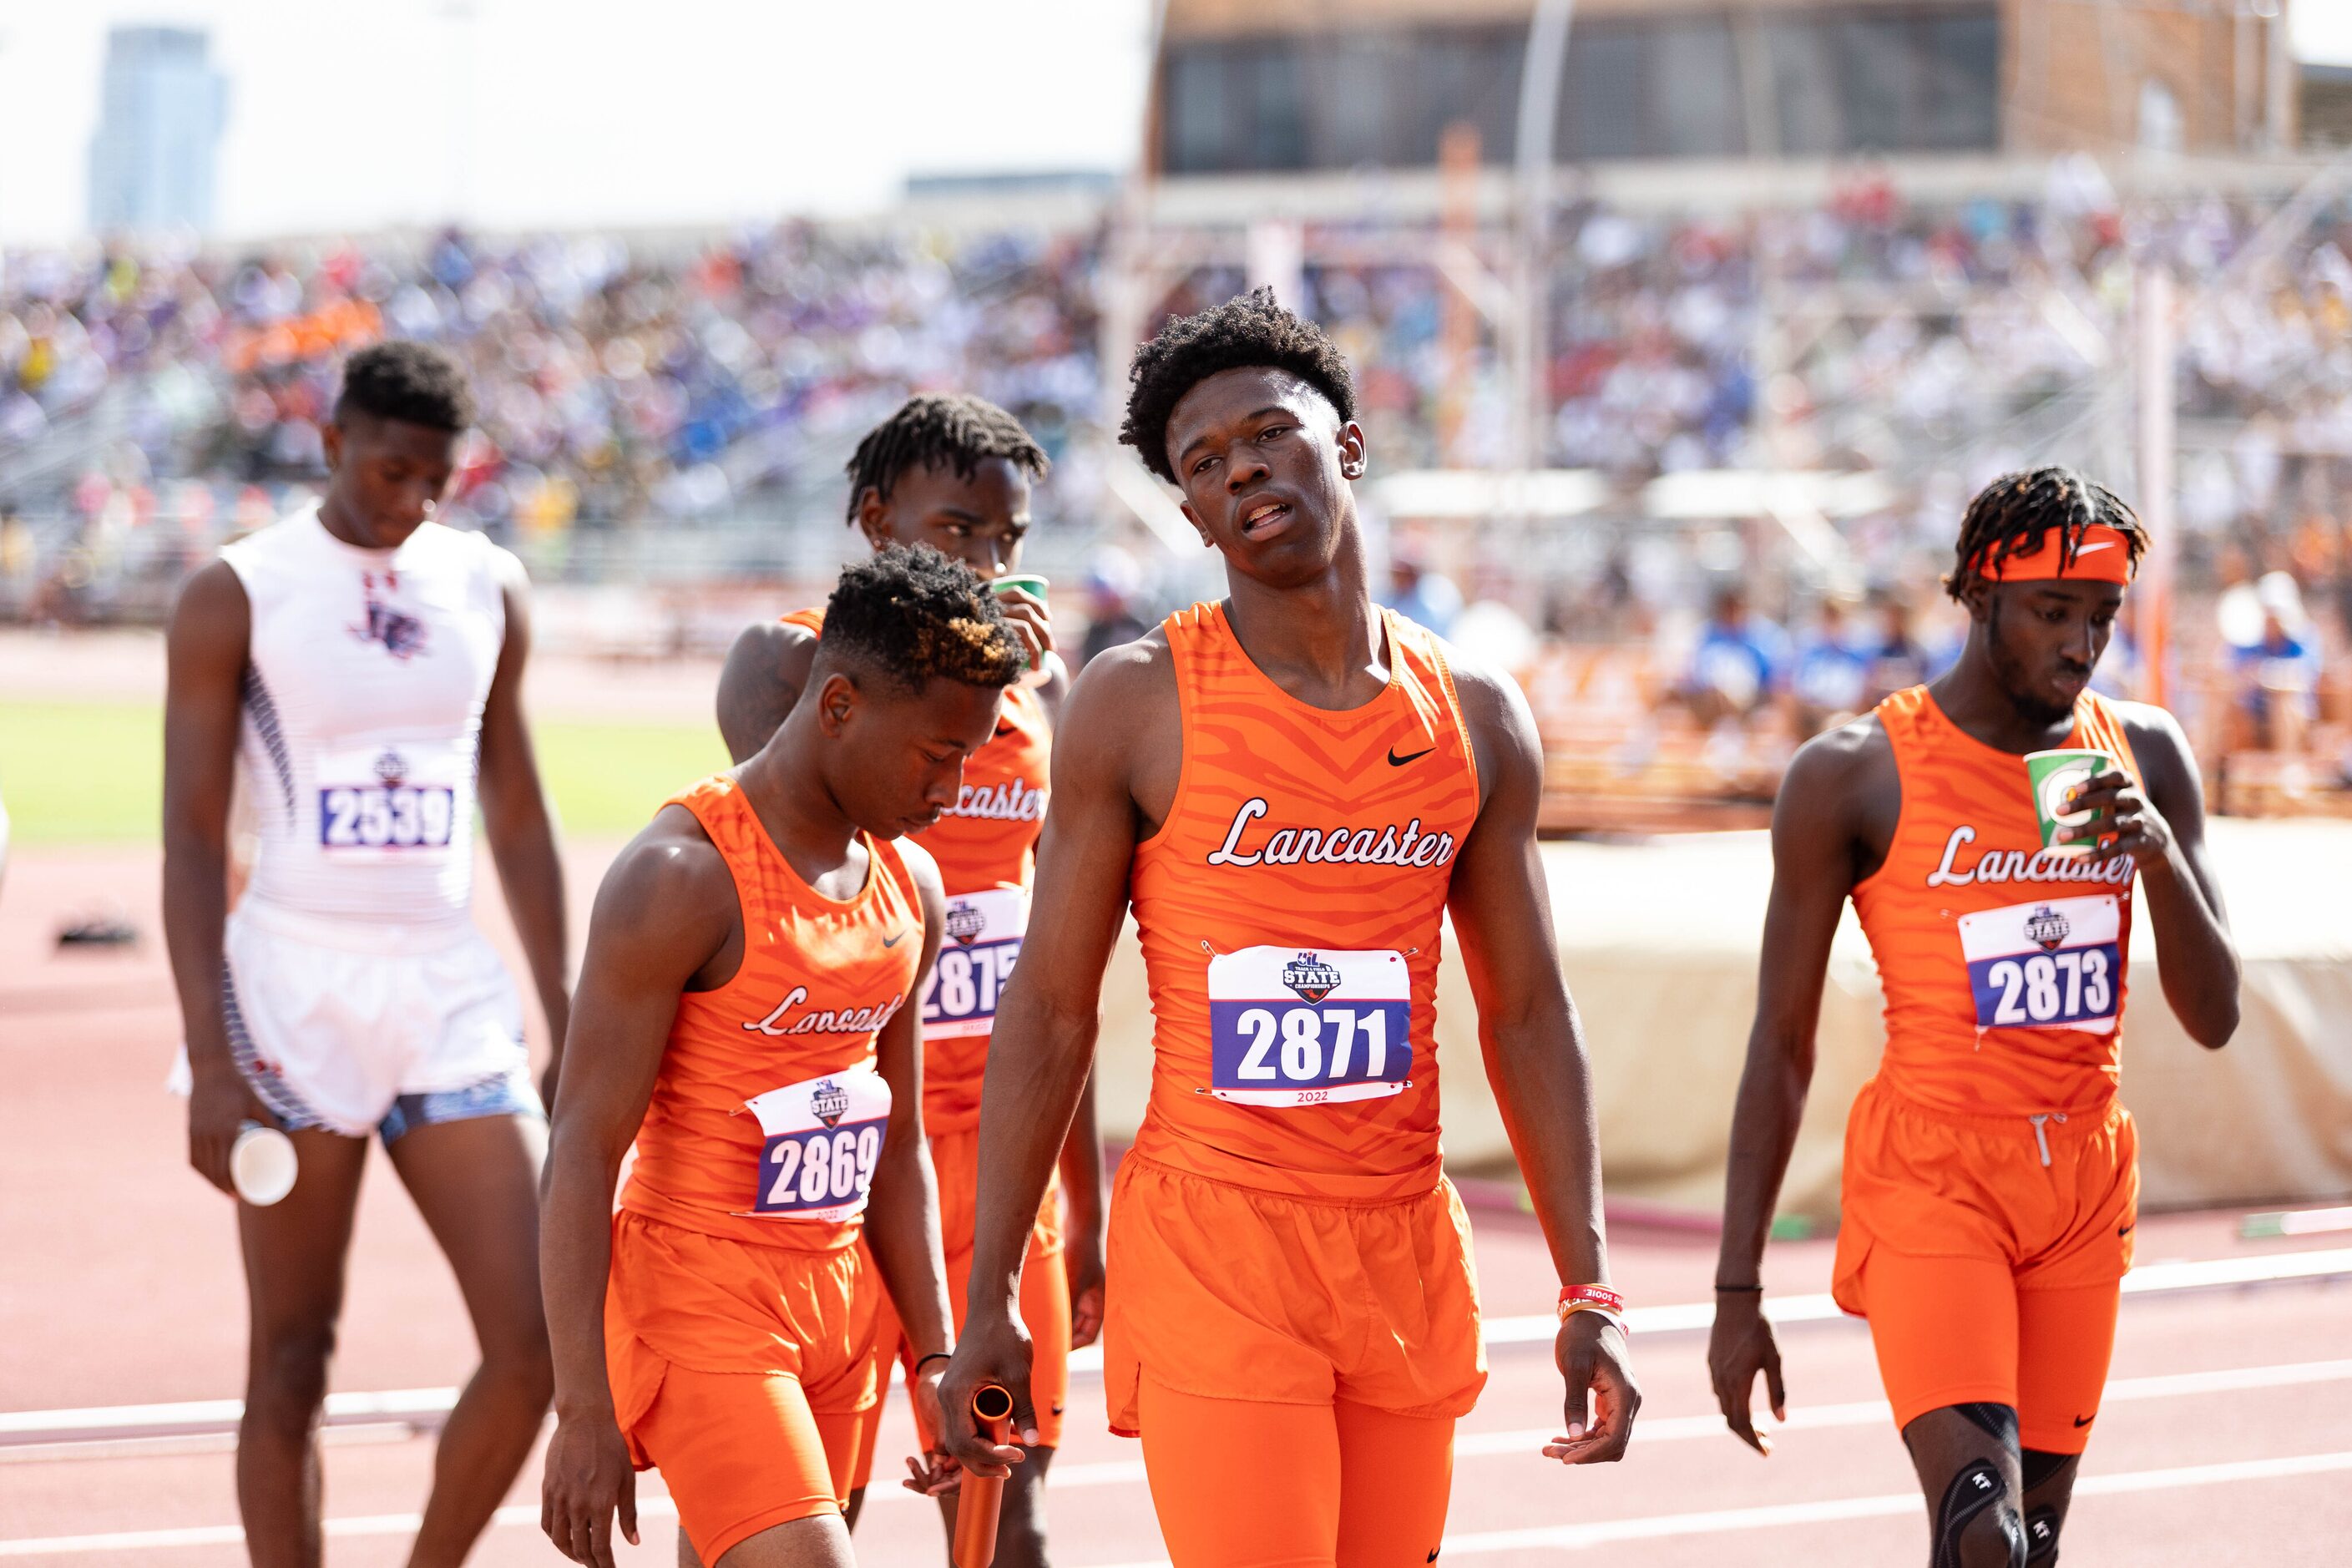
point(122, 1287)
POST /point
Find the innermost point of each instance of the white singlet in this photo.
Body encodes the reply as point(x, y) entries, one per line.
point(363, 716)
point(358, 996)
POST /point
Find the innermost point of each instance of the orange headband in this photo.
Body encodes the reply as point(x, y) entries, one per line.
point(2104, 556)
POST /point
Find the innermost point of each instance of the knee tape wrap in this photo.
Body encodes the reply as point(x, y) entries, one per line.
point(2042, 1537)
point(1977, 1490)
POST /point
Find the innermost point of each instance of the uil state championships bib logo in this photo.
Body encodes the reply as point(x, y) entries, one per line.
point(965, 923)
point(828, 1101)
point(2047, 929)
point(1311, 977)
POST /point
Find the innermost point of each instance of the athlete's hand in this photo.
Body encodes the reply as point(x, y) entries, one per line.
point(936, 1472)
point(1602, 1393)
point(1082, 1257)
point(220, 1102)
point(589, 1479)
point(2123, 819)
point(994, 1349)
point(1739, 1346)
point(1033, 623)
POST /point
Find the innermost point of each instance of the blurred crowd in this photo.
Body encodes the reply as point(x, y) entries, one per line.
point(660, 385)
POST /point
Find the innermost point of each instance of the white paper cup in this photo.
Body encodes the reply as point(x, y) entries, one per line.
point(261, 1164)
point(2051, 775)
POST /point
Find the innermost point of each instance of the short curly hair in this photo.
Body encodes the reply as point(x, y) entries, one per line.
point(952, 430)
point(1250, 328)
point(413, 383)
point(911, 614)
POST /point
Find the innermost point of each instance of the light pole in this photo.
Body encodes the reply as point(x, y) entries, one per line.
point(1539, 74)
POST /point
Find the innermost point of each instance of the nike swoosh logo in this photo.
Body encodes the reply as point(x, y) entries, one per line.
point(1397, 762)
point(1003, 729)
point(892, 941)
point(2126, 1231)
point(2084, 1420)
point(1057, 1410)
point(2084, 549)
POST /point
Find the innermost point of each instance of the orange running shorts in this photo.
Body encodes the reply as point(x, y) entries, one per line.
point(1988, 1254)
point(742, 1371)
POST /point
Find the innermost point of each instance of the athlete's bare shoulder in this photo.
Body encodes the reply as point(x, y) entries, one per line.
point(762, 679)
point(1843, 784)
point(669, 897)
point(1500, 723)
point(1122, 727)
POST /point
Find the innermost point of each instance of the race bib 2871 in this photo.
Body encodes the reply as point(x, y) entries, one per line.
point(1300, 1027)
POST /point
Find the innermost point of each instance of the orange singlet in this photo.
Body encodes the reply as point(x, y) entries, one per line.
point(986, 847)
point(1991, 1185)
point(738, 1323)
point(1293, 1324)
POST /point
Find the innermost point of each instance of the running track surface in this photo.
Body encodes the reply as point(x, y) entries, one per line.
point(119, 1286)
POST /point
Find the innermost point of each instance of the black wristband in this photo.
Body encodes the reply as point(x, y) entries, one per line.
point(1741, 1290)
point(922, 1362)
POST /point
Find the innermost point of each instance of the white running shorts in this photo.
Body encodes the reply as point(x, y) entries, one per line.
point(340, 1023)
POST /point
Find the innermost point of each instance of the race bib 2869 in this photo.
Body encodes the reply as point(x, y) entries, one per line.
point(1298, 1026)
point(823, 1135)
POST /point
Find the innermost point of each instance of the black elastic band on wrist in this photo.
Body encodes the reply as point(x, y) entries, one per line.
point(922, 1362)
point(1742, 1290)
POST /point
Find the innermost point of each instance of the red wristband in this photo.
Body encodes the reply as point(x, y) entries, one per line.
point(1591, 1298)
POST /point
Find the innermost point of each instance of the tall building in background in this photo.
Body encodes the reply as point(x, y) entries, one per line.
point(162, 108)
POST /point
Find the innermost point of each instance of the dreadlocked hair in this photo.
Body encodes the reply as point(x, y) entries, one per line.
point(2014, 514)
point(1250, 328)
point(413, 383)
point(912, 615)
point(940, 430)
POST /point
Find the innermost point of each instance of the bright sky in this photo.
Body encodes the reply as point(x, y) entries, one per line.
point(355, 113)
point(360, 114)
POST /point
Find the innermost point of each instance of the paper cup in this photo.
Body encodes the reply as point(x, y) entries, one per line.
point(1029, 583)
point(2051, 775)
point(261, 1164)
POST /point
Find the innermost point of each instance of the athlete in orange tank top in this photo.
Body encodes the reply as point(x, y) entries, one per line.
point(1289, 788)
point(1990, 1184)
point(954, 473)
point(748, 1017)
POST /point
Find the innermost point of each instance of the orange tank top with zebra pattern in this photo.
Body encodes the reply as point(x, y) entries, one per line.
point(1289, 909)
point(986, 847)
point(768, 1109)
point(2002, 963)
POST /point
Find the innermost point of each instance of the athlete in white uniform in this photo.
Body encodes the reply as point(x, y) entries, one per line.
point(356, 669)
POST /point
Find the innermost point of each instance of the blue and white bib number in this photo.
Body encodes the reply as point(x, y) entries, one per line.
point(2052, 964)
point(1291, 1027)
point(389, 800)
point(977, 952)
point(823, 1136)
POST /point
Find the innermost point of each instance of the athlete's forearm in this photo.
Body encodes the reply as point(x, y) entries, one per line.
point(1543, 1083)
point(1082, 1164)
point(1038, 1062)
point(530, 872)
point(196, 916)
point(575, 1262)
point(1764, 1123)
point(2197, 960)
point(902, 1232)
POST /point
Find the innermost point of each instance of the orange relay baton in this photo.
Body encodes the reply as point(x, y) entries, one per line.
point(981, 1499)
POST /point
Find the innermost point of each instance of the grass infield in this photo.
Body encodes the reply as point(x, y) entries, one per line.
point(93, 772)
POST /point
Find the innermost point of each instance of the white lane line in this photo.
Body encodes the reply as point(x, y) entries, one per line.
point(427, 1407)
point(1654, 1527)
point(1470, 1445)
